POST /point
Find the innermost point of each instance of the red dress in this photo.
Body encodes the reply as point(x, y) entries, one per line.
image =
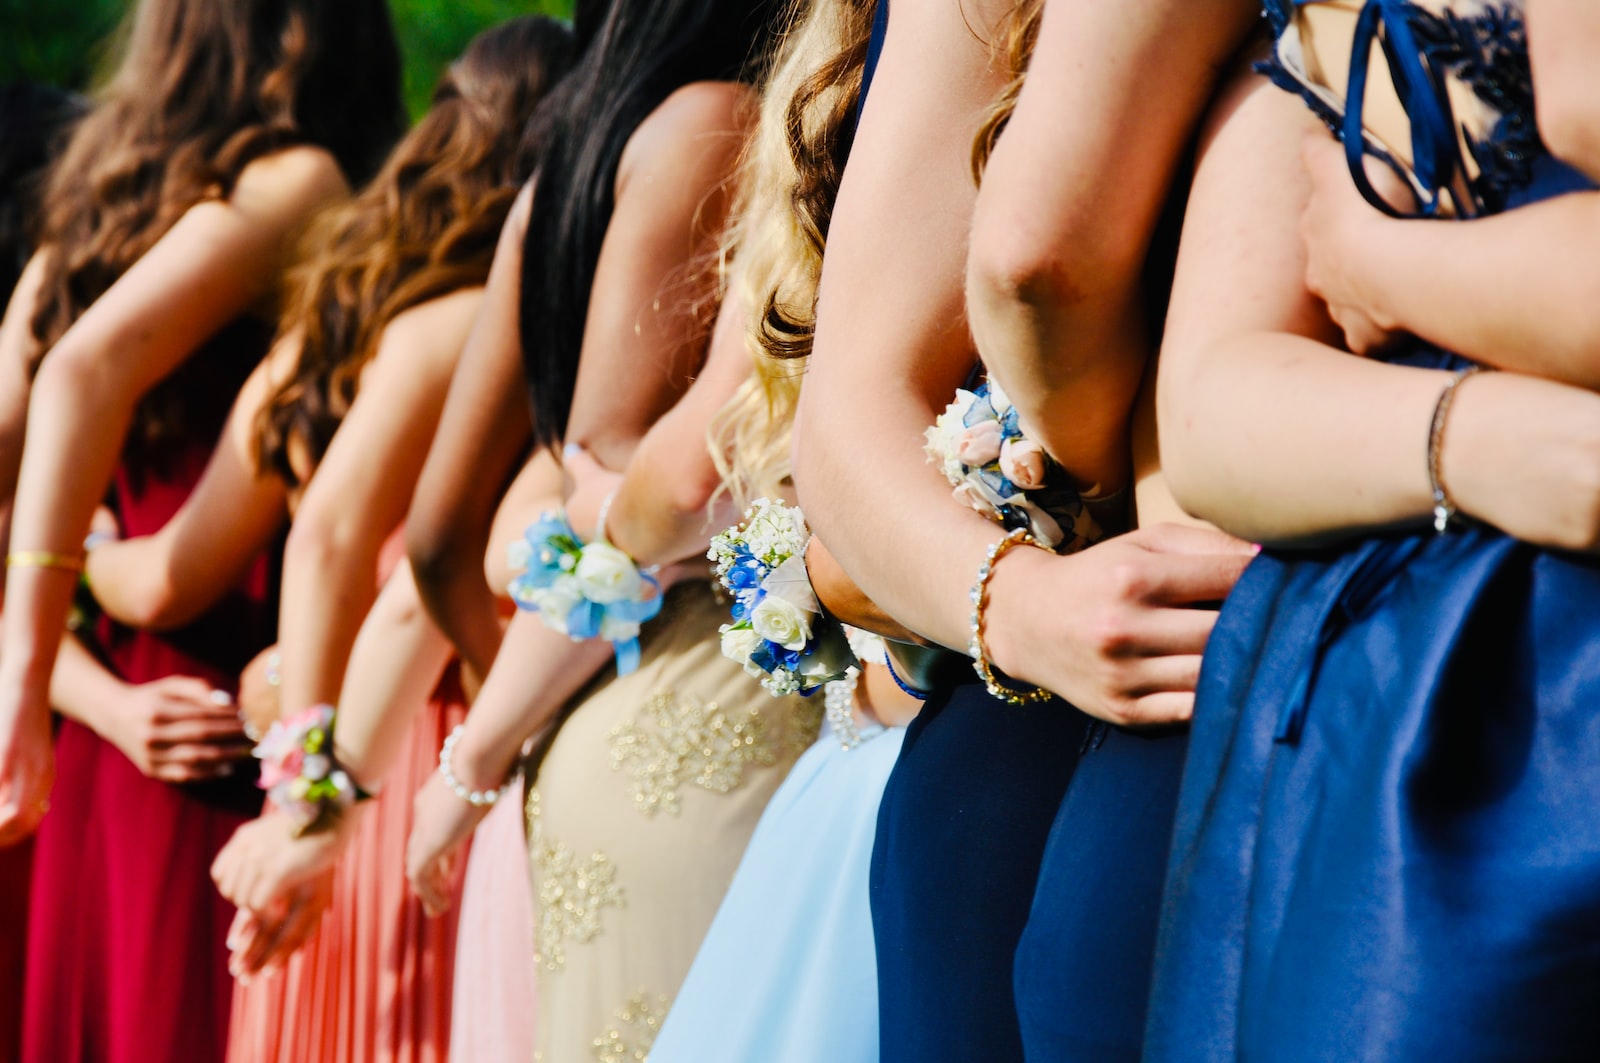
point(126, 956)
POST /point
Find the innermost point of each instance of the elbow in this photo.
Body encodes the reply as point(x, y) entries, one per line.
point(692, 492)
point(1182, 465)
point(318, 543)
point(1016, 261)
point(438, 550)
point(155, 608)
point(67, 377)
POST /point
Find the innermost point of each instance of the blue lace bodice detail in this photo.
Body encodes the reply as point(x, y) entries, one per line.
point(1482, 47)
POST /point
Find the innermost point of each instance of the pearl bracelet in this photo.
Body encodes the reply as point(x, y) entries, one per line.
point(980, 601)
point(475, 798)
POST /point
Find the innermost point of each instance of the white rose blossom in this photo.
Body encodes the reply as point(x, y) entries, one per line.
point(556, 601)
point(605, 574)
point(781, 621)
point(738, 643)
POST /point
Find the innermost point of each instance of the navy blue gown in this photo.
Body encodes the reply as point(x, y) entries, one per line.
point(1387, 845)
point(961, 831)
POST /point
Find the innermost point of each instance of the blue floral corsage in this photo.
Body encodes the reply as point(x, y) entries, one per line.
point(779, 631)
point(583, 590)
point(979, 445)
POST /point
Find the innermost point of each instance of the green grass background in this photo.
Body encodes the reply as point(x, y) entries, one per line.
point(62, 42)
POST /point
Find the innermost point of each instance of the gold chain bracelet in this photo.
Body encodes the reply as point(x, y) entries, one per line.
point(980, 601)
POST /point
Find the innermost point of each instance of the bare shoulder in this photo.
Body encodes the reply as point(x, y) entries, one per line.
point(703, 118)
point(434, 330)
point(295, 177)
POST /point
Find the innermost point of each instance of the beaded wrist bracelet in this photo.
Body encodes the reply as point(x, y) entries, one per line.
point(475, 798)
point(980, 601)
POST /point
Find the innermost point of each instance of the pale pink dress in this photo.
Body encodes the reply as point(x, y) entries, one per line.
point(494, 985)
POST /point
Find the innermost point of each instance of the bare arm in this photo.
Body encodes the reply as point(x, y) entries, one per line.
point(644, 338)
point(17, 350)
point(482, 435)
point(1563, 41)
point(891, 344)
point(890, 351)
point(536, 490)
point(1513, 290)
point(176, 729)
point(360, 493)
point(166, 579)
point(1069, 200)
point(1274, 435)
point(396, 660)
point(659, 514)
point(218, 261)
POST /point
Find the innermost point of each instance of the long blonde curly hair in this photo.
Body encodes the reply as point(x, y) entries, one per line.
point(787, 183)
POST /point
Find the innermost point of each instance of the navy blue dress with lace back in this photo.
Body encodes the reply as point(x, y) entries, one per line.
point(1387, 844)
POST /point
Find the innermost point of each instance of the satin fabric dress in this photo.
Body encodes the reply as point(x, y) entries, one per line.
point(1386, 845)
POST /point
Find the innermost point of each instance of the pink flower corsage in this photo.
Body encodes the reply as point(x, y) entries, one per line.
point(299, 773)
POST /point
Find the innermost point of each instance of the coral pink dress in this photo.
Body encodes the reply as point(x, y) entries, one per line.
point(373, 985)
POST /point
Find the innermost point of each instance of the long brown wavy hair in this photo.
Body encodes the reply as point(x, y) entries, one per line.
point(200, 89)
point(426, 226)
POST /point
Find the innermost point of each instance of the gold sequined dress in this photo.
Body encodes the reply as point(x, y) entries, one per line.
point(639, 813)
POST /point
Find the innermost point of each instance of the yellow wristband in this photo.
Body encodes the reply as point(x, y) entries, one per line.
point(44, 559)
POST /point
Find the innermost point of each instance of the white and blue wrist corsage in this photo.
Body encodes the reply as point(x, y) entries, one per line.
point(583, 590)
point(979, 445)
point(779, 631)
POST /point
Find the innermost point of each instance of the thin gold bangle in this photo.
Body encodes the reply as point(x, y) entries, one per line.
point(980, 602)
point(44, 559)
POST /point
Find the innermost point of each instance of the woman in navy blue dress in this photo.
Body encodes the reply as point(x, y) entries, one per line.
point(966, 814)
point(1385, 846)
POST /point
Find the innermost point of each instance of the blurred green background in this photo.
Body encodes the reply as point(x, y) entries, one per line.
point(61, 42)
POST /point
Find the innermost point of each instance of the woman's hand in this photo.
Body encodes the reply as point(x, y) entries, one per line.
point(258, 690)
point(27, 759)
point(177, 729)
point(440, 823)
point(1117, 629)
point(281, 882)
point(1339, 227)
point(590, 485)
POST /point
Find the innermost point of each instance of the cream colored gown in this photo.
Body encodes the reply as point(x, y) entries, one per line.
point(638, 816)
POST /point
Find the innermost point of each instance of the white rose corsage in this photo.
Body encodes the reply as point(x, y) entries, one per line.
point(583, 590)
point(779, 631)
point(978, 444)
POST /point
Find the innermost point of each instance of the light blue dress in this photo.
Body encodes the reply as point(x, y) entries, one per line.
point(788, 973)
